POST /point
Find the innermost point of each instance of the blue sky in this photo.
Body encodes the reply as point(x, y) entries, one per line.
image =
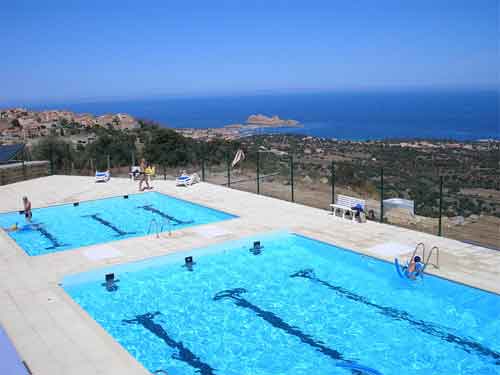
point(69, 50)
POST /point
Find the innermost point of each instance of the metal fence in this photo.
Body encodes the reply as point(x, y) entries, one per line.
point(423, 200)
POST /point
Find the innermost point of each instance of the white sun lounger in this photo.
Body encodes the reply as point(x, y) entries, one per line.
point(186, 180)
point(102, 176)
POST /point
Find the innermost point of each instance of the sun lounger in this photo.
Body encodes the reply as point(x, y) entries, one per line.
point(346, 203)
point(186, 180)
point(102, 176)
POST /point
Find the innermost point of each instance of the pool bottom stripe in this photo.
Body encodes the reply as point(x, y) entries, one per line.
point(152, 209)
point(108, 224)
point(277, 322)
point(50, 237)
point(429, 328)
point(183, 354)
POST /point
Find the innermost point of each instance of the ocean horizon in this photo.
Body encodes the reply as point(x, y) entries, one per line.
point(456, 115)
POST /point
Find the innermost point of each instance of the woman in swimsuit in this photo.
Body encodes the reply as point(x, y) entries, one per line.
point(144, 177)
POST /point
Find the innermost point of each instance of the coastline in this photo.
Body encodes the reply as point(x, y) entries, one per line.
point(436, 115)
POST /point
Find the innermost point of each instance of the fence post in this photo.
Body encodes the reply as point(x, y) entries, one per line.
point(381, 195)
point(440, 227)
point(51, 160)
point(291, 177)
point(133, 158)
point(164, 173)
point(91, 166)
point(68, 154)
point(228, 171)
point(203, 169)
point(109, 162)
point(258, 172)
point(333, 182)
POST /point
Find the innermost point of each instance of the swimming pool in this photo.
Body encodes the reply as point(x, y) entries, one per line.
point(297, 307)
point(64, 227)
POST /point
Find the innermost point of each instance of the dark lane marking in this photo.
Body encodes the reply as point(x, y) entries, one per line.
point(277, 322)
point(150, 208)
point(183, 353)
point(50, 237)
point(427, 327)
point(108, 224)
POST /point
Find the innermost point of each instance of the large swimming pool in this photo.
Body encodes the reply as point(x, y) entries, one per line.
point(64, 227)
point(297, 307)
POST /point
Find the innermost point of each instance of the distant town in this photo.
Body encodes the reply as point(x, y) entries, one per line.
point(21, 125)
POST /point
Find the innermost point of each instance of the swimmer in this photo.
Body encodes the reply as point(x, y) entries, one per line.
point(13, 228)
point(415, 268)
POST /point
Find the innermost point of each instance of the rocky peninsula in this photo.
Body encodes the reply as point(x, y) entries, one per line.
point(262, 121)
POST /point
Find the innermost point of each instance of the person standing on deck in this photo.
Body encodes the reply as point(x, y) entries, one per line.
point(143, 176)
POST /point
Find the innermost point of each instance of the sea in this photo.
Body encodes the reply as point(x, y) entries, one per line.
point(444, 114)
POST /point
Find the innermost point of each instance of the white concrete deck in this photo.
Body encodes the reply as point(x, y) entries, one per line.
point(55, 336)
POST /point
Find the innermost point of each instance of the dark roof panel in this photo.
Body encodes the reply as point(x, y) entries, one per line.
point(9, 152)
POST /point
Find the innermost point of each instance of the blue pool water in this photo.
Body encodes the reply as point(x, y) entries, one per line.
point(64, 227)
point(299, 307)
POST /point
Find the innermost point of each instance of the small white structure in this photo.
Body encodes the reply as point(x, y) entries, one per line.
point(346, 203)
point(400, 203)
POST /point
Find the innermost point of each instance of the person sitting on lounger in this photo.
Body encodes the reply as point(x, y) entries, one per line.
point(359, 212)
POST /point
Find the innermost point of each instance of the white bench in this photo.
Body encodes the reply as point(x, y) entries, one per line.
point(345, 204)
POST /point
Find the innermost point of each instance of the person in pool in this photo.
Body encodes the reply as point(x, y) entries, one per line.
point(13, 228)
point(27, 209)
point(16, 228)
point(415, 268)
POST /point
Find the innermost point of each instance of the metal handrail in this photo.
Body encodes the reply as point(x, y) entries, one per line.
point(154, 226)
point(437, 257)
point(420, 244)
point(168, 222)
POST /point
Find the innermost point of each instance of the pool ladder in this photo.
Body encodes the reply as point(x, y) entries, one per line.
point(434, 250)
point(157, 227)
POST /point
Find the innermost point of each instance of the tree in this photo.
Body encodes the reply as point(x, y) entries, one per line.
point(118, 145)
point(55, 150)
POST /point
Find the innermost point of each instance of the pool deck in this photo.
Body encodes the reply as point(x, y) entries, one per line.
point(55, 336)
